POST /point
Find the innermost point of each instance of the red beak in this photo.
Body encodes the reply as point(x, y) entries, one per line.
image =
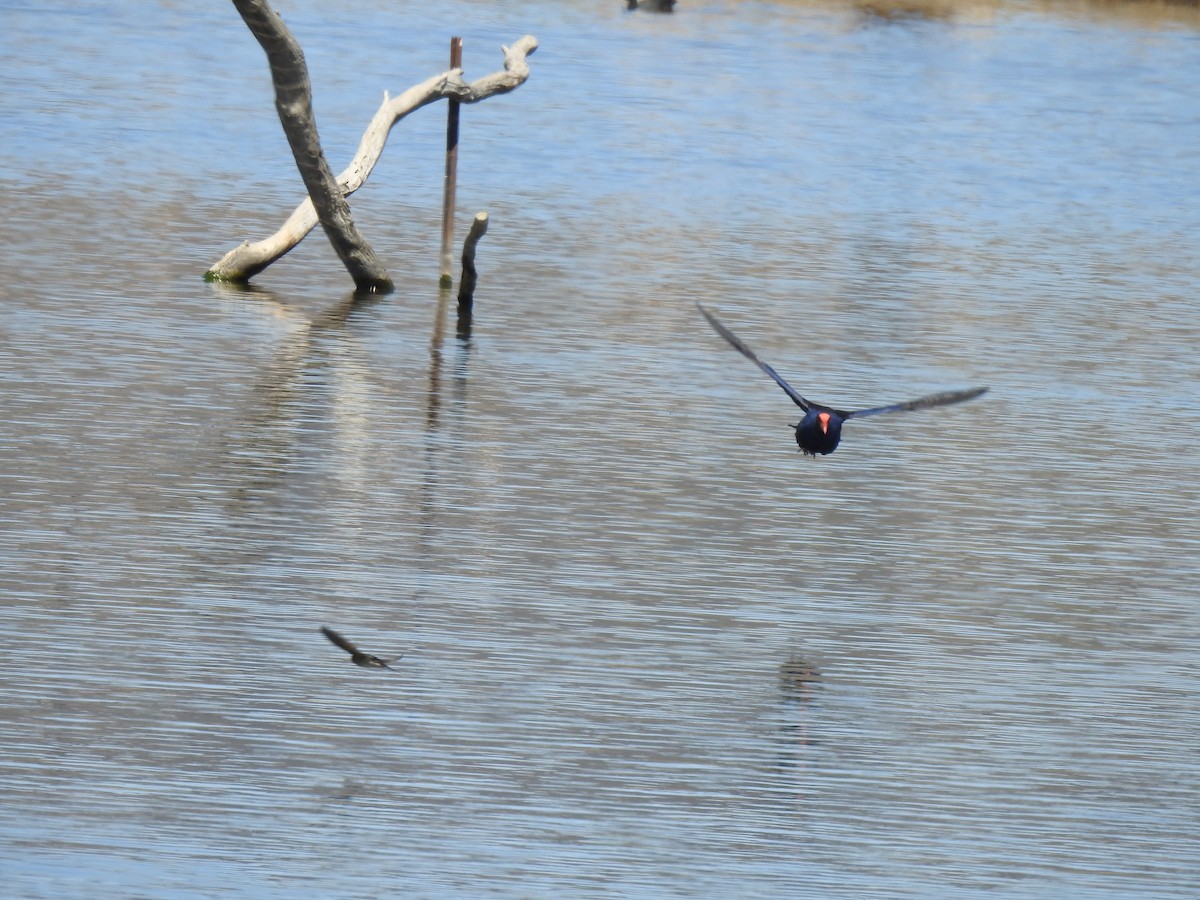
point(823, 418)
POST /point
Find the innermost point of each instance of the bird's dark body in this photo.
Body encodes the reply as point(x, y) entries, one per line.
point(820, 431)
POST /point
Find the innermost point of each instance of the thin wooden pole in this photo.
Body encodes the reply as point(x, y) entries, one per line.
point(451, 185)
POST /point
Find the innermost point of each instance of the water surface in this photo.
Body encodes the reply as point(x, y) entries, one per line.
point(649, 649)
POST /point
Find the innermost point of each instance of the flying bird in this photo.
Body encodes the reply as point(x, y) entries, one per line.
point(820, 430)
point(366, 660)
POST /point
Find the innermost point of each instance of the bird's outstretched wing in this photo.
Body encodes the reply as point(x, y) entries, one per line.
point(339, 640)
point(749, 354)
point(945, 398)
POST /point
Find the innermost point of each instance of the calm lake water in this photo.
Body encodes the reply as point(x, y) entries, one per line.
point(650, 650)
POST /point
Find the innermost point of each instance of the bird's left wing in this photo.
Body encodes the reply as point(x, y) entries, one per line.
point(338, 639)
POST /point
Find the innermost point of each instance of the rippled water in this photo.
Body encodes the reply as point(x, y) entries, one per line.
point(649, 649)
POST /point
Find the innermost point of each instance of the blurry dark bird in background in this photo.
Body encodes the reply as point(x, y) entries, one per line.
point(366, 660)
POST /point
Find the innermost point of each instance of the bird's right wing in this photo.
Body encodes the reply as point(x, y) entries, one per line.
point(339, 640)
point(943, 399)
point(749, 354)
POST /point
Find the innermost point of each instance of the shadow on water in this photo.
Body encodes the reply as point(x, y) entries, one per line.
point(262, 444)
point(266, 442)
point(799, 682)
point(462, 345)
point(434, 445)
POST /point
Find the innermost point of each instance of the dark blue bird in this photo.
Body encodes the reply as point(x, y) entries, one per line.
point(821, 428)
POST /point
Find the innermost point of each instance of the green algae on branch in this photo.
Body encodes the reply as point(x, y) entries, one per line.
point(213, 276)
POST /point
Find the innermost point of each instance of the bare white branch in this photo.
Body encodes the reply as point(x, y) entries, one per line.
point(247, 260)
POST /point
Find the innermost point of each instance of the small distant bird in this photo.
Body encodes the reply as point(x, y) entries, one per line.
point(366, 660)
point(821, 428)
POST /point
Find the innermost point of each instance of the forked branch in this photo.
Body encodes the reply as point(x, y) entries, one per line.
point(244, 262)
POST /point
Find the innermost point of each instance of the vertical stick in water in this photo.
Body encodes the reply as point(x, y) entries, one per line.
point(466, 287)
point(451, 185)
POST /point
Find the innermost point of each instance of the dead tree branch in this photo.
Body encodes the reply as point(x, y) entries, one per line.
point(244, 262)
point(293, 101)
